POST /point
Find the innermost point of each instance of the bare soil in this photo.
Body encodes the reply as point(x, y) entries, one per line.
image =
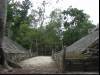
point(35, 65)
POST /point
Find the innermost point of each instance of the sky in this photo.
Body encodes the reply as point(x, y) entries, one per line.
point(91, 7)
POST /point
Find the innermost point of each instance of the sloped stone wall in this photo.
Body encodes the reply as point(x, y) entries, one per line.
point(59, 58)
point(17, 57)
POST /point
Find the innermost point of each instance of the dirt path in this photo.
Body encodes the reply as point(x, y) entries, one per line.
point(35, 65)
point(41, 64)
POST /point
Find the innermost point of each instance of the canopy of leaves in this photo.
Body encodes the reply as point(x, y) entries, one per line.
point(23, 29)
point(76, 24)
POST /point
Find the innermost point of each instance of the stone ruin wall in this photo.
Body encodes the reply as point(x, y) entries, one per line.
point(17, 57)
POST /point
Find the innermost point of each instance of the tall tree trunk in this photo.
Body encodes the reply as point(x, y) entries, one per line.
point(3, 13)
point(5, 62)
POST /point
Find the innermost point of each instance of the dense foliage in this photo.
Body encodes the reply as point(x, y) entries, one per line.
point(64, 27)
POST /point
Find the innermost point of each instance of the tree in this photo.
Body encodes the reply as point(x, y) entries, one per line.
point(38, 16)
point(26, 35)
point(53, 31)
point(76, 25)
point(3, 12)
point(17, 13)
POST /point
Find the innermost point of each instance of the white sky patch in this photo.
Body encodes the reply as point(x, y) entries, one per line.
point(91, 7)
